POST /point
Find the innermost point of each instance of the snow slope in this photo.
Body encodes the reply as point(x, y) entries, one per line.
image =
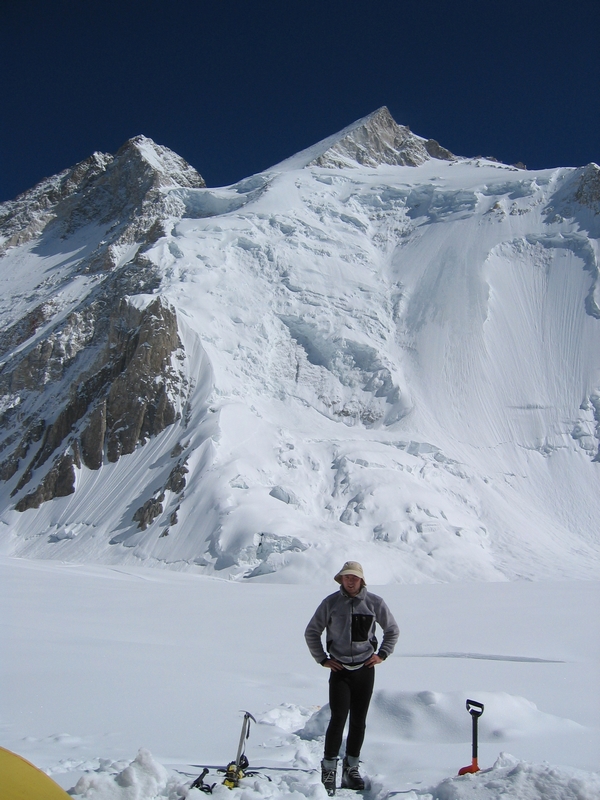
point(390, 362)
point(102, 662)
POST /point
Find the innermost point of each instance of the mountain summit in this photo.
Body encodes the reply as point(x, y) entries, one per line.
point(372, 141)
point(373, 350)
point(124, 190)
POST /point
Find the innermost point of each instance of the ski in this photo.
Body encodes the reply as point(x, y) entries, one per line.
point(261, 768)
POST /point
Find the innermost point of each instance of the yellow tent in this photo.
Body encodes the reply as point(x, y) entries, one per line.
point(20, 780)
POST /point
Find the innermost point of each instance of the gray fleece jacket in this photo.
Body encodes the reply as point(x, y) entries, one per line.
point(350, 628)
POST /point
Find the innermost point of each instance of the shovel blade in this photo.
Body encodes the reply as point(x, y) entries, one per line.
point(473, 767)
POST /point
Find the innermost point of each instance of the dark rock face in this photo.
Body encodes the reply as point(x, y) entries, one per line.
point(151, 509)
point(58, 482)
point(33, 433)
point(138, 405)
point(436, 150)
point(124, 397)
point(24, 328)
point(102, 378)
point(176, 481)
point(588, 189)
point(92, 437)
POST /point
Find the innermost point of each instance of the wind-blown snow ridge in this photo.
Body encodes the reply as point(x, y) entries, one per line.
point(379, 354)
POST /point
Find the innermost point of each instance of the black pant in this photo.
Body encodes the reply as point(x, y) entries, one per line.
point(349, 691)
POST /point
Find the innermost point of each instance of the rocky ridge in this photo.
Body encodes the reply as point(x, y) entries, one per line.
point(94, 379)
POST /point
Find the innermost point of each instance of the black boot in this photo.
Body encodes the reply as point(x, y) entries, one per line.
point(328, 775)
point(351, 778)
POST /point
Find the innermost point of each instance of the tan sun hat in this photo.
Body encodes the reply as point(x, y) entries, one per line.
point(351, 568)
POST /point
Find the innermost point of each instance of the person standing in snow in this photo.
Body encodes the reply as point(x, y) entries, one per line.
point(349, 617)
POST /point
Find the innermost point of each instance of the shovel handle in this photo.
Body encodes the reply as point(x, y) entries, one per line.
point(474, 708)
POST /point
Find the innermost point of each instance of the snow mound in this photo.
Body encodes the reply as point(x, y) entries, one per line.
point(510, 777)
point(142, 779)
point(436, 716)
point(287, 717)
point(439, 717)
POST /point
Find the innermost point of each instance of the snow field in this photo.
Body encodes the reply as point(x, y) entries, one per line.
point(104, 661)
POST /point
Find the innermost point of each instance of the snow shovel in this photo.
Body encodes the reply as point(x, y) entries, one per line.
point(475, 710)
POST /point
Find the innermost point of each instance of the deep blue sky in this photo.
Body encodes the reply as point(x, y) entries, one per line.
point(235, 86)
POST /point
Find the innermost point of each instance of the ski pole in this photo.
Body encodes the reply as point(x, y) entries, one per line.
point(475, 709)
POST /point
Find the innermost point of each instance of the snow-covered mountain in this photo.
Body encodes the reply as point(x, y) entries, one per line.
point(374, 349)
